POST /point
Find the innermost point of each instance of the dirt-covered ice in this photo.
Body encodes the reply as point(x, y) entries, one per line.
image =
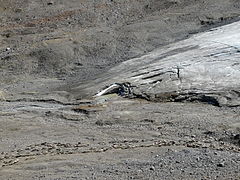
point(166, 88)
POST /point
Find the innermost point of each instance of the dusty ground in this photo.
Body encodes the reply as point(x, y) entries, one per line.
point(49, 47)
point(84, 38)
point(119, 139)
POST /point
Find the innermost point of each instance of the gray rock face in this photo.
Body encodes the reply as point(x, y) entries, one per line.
point(205, 67)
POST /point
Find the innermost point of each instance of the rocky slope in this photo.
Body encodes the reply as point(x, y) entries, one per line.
point(83, 38)
point(113, 89)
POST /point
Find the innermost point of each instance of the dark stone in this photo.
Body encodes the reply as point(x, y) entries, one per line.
point(220, 165)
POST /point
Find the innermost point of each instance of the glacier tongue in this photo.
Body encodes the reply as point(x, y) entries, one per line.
point(205, 67)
